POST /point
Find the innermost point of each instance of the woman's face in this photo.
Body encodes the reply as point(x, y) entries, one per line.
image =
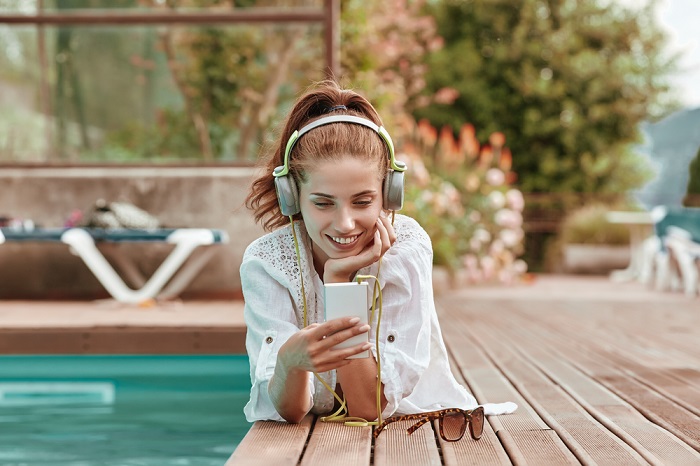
point(340, 203)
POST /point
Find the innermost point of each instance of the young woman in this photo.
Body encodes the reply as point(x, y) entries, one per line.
point(337, 177)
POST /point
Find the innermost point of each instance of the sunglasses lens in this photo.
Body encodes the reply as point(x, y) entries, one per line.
point(477, 423)
point(453, 426)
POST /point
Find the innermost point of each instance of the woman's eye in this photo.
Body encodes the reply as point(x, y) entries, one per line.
point(322, 204)
point(364, 202)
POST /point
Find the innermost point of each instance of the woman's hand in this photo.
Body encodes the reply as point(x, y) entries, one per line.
point(342, 270)
point(311, 348)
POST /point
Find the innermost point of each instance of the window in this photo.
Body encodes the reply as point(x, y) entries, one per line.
point(146, 83)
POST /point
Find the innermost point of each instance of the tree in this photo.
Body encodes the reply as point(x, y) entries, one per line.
point(692, 196)
point(568, 82)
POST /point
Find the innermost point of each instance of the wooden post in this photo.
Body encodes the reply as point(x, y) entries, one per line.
point(331, 24)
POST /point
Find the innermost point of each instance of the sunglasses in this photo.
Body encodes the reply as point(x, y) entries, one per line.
point(453, 422)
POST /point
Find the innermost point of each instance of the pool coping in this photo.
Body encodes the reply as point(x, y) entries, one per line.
point(62, 327)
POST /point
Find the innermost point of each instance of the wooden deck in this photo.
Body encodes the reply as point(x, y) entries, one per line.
point(603, 373)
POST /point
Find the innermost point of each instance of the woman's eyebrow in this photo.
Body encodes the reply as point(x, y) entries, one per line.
point(361, 193)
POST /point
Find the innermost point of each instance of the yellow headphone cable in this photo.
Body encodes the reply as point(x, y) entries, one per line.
point(341, 414)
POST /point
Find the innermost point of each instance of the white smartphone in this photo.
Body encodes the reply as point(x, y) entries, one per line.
point(348, 300)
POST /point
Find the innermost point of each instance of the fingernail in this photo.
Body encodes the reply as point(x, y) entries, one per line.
point(364, 328)
point(354, 320)
point(366, 346)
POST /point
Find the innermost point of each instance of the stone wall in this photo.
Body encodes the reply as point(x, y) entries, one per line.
point(178, 197)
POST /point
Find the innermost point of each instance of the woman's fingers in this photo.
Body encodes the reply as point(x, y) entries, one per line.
point(384, 236)
point(339, 358)
point(389, 228)
point(321, 331)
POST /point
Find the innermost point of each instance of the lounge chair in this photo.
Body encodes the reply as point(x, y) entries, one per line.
point(82, 242)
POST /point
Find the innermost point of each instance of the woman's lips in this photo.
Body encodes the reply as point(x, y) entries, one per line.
point(343, 242)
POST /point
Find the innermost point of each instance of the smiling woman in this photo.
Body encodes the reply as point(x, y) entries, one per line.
point(335, 178)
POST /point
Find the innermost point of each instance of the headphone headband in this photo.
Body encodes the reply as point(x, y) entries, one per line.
point(383, 133)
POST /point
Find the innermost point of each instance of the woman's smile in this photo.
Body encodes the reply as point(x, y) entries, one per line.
point(346, 241)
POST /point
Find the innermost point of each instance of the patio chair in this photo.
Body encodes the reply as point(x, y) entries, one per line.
point(677, 240)
point(82, 242)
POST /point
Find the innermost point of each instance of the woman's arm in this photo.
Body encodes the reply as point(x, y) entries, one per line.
point(311, 350)
point(359, 383)
point(289, 392)
point(358, 379)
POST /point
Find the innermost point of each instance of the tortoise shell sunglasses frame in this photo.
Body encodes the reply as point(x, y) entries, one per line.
point(473, 417)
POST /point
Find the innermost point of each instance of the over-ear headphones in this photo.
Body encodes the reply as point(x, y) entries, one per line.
point(286, 187)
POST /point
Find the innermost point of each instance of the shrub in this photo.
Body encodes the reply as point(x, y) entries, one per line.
point(589, 225)
point(692, 195)
point(462, 194)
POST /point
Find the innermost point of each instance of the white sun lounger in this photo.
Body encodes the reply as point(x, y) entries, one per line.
point(82, 242)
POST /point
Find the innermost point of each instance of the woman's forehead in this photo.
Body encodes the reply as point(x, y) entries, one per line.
point(341, 173)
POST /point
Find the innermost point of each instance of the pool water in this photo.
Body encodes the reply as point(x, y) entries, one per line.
point(121, 410)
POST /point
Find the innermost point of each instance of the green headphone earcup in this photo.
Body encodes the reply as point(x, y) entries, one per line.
point(393, 190)
point(287, 195)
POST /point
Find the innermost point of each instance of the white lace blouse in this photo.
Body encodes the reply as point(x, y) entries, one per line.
point(415, 369)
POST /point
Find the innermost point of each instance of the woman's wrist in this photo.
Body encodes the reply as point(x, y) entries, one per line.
point(330, 277)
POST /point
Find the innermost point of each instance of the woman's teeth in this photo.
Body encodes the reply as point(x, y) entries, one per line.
point(344, 240)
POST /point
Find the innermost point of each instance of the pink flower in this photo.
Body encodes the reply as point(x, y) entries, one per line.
point(515, 199)
point(510, 238)
point(495, 177)
point(520, 266)
point(508, 218)
point(446, 95)
point(497, 199)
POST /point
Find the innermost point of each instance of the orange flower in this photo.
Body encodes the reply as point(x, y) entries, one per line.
point(486, 157)
point(506, 161)
point(467, 140)
point(427, 132)
point(497, 139)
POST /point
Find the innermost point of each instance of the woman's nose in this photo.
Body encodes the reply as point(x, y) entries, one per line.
point(344, 221)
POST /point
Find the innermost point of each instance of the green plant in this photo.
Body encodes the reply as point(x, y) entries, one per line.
point(692, 195)
point(567, 82)
point(461, 193)
point(589, 225)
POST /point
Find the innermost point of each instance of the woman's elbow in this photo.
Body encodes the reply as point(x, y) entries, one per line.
point(293, 413)
point(293, 418)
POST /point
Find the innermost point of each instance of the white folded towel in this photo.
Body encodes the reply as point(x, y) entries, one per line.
point(494, 409)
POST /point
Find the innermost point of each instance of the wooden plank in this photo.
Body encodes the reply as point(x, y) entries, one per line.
point(394, 447)
point(272, 443)
point(526, 438)
point(583, 435)
point(485, 451)
point(663, 411)
point(648, 439)
point(652, 364)
point(654, 406)
point(337, 444)
point(667, 329)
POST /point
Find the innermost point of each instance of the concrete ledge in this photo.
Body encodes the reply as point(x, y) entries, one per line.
point(41, 327)
point(210, 197)
point(124, 340)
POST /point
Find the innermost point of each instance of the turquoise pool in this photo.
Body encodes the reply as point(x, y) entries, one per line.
point(121, 410)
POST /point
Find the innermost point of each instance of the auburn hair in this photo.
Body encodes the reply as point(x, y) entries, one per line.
point(327, 142)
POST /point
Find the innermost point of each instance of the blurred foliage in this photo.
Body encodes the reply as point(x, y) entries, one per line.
point(589, 225)
point(233, 80)
point(692, 196)
point(568, 82)
point(383, 55)
point(461, 193)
